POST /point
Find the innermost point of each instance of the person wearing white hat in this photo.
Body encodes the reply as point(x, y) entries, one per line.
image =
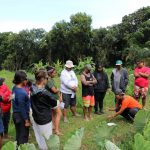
point(68, 88)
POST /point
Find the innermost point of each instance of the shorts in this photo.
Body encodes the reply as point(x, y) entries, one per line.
point(140, 91)
point(88, 101)
point(68, 100)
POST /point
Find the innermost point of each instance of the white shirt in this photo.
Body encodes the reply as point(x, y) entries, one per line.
point(68, 80)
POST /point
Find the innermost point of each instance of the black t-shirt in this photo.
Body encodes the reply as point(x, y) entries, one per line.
point(86, 89)
point(41, 103)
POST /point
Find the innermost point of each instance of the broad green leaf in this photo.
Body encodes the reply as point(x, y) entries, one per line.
point(141, 120)
point(53, 142)
point(103, 132)
point(147, 132)
point(140, 143)
point(10, 146)
point(27, 146)
point(110, 146)
point(74, 143)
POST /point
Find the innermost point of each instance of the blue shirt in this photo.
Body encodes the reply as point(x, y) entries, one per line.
point(20, 102)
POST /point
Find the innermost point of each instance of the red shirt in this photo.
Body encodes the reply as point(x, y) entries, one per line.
point(5, 93)
point(141, 81)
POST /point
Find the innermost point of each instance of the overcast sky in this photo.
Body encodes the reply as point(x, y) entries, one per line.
point(16, 15)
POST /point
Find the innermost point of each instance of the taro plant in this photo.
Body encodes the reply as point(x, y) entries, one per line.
point(141, 120)
point(103, 132)
point(53, 143)
point(58, 66)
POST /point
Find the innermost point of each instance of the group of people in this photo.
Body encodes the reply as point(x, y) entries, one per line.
point(42, 103)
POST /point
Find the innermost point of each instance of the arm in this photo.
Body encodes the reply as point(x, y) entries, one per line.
point(107, 81)
point(22, 106)
point(145, 75)
point(54, 90)
point(94, 80)
point(65, 80)
point(83, 80)
point(126, 77)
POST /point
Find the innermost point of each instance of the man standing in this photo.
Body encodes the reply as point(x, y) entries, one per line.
point(119, 77)
point(88, 81)
point(141, 74)
point(68, 88)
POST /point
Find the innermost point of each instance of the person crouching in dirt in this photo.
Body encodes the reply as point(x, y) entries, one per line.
point(126, 106)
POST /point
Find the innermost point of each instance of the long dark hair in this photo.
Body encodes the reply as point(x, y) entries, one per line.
point(19, 77)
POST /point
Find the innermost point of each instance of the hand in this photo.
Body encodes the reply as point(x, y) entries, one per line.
point(74, 88)
point(111, 109)
point(27, 123)
point(10, 97)
point(110, 117)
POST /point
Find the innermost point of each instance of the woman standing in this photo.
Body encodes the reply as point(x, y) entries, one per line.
point(21, 108)
point(100, 88)
point(51, 87)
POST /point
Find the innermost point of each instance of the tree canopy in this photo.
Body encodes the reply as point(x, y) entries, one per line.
point(76, 39)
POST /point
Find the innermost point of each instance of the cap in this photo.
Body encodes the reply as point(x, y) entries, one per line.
point(118, 62)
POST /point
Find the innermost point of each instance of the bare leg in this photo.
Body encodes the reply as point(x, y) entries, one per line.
point(90, 112)
point(1, 141)
point(58, 115)
point(73, 110)
point(143, 102)
point(53, 119)
point(85, 113)
point(65, 115)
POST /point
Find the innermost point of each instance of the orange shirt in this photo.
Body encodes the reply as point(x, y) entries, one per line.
point(130, 102)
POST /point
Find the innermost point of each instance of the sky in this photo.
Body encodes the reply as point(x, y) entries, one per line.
point(16, 15)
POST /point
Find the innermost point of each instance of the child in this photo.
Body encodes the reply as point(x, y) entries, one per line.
point(41, 103)
point(5, 105)
point(51, 87)
point(21, 108)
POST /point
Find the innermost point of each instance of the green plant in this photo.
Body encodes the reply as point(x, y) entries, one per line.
point(10, 146)
point(110, 146)
point(82, 62)
point(141, 120)
point(27, 146)
point(140, 143)
point(39, 65)
point(103, 133)
point(53, 142)
point(58, 66)
point(74, 142)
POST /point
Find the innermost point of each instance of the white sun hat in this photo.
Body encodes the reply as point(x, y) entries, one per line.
point(69, 64)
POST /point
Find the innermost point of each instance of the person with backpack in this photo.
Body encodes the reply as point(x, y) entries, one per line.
point(42, 101)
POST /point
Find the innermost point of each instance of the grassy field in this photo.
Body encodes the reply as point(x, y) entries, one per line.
point(122, 137)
